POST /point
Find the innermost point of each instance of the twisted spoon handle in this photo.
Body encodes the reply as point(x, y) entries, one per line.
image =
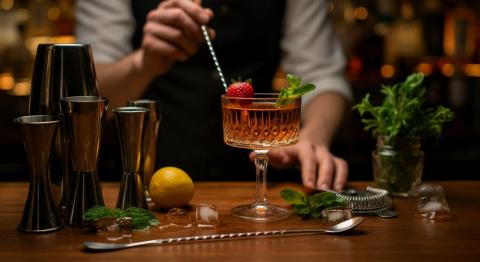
point(221, 236)
point(214, 56)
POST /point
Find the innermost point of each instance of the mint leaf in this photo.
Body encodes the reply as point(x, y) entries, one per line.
point(292, 196)
point(302, 209)
point(117, 213)
point(98, 212)
point(303, 89)
point(293, 81)
point(141, 218)
point(313, 205)
point(317, 214)
point(294, 89)
point(322, 198)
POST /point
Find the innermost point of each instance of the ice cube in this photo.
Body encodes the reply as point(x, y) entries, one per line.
point(206, 216)
point(179, 216)
point(432, 205)
point(336, 214)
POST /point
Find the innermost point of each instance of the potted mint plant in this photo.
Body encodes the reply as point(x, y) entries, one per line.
point(399, 124)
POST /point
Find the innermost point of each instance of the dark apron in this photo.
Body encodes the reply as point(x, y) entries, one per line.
point(247, 45)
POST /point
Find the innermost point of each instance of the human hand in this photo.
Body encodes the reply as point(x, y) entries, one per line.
point(172, 32)
point(320, 168)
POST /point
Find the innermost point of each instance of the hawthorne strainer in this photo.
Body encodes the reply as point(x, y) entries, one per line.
point(372, 201)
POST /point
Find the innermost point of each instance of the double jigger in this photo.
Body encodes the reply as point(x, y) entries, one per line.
point(83, 116)
point(40, 212)
point(130, 123)
point(137, 129)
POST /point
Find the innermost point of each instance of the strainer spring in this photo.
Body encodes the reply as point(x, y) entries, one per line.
point(371, 201)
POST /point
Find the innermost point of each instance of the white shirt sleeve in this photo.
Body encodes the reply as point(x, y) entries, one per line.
point(311, 50)
point(107, 25)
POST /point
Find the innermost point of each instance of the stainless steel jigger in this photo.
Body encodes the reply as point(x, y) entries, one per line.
point(40, 212)
point(83, 116)
point(130, 122)
point(149, 143)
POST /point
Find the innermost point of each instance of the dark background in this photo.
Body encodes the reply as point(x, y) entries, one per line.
point(384, 41)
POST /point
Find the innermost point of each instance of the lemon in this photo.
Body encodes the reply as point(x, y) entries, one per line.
point(171, 187)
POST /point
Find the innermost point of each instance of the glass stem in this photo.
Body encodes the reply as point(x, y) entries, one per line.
point(261, 163)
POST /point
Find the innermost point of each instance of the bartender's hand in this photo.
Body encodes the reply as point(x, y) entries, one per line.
point(321, 170)
point(172, 32)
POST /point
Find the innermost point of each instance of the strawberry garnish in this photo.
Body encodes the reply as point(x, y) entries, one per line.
point(243, 89)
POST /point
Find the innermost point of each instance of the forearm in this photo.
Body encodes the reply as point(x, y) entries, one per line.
point(323, 116)
point(123, 80)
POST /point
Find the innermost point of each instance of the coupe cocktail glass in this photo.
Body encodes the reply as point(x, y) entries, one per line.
point(260, 124)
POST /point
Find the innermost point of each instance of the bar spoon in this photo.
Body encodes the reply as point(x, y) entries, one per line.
point(338, 228)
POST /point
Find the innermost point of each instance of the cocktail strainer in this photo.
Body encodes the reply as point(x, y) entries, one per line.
point(372, 201)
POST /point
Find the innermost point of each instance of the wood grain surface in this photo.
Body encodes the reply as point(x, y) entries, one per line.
point(404, 238)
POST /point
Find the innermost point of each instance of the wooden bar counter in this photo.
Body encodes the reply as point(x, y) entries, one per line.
point(403, 238)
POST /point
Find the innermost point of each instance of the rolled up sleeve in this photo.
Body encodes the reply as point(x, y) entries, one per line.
point(312, 50)
point(107, 26)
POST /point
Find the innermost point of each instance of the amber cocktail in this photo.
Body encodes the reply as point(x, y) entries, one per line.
point(261, 123)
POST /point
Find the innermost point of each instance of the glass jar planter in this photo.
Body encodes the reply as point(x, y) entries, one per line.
point(398, 164)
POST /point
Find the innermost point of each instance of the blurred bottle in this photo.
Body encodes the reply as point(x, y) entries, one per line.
point(405, 43)
point(63, 15)
point(22, 59)
point(433, 23)
point(459, 44)
point(15, 58)
point(10, 36)
point(38, 22)
point(459, 34)
point(386, 10)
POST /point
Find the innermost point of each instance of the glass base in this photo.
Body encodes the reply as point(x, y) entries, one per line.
point(261, 212)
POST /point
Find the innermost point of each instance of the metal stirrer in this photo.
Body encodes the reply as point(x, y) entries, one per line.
point(215, 60)
point(338, 228)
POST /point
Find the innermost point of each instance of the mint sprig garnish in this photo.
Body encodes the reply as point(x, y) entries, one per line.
point(311, 206)
point(403, 112)
point(141, 218)
point(294, 89)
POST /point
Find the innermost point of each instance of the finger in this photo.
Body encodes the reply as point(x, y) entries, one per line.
point(194, 10)
point(252, 156)
point(176, 17)
point(308, 165)
point(156, 47)
point(172, 35)
point(325, 172)
point(277, 158)
point(341, 168)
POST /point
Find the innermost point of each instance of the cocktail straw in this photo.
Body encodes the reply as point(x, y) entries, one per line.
point(215, 60)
